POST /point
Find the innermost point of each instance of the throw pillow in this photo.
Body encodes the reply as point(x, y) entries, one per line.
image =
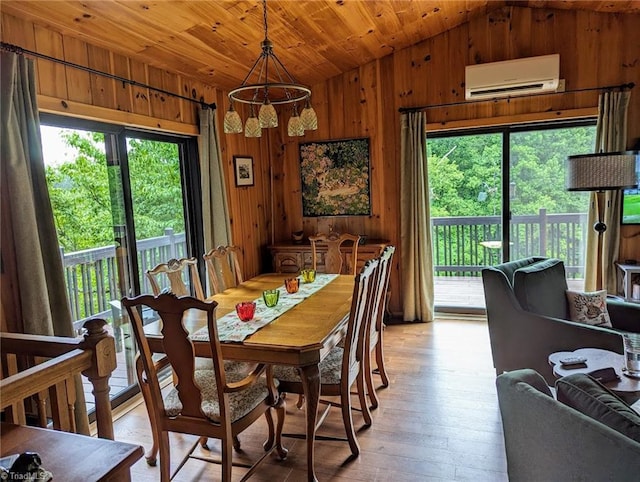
point(540, 288)
point(589, 308)
point(588, 396)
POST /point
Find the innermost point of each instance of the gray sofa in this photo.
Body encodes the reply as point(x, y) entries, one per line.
point(527, 314)
point(548, 441)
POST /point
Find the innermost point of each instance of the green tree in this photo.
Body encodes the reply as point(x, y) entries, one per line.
point(465, 173)
point(156, 187)
point(79, 193)
point(467, 182)
point(86, 194)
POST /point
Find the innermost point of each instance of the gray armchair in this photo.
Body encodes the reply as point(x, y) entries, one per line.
point(527, 314)
point(546, 440)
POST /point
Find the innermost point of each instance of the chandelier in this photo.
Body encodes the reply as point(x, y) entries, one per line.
point(257, 89)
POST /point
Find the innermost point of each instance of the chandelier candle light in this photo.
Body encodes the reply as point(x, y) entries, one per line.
point(258, 89)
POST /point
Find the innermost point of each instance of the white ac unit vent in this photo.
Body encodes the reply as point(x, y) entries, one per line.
point(532, 75)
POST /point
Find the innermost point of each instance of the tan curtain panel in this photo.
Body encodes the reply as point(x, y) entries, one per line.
point(30, 250)
point(415, 221)
point(611, 136)
point(215, 209)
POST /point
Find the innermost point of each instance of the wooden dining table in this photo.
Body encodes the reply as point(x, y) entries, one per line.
point(301, 337)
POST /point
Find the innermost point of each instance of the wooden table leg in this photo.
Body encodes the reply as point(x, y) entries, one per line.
point(310, 376)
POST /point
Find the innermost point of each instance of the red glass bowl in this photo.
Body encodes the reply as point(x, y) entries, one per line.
point(246, 310)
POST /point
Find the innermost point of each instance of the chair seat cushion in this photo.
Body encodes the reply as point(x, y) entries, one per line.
point(588, 396)
point(240, 403)
point(330, 369)
point(540, 288)
point(230, 367)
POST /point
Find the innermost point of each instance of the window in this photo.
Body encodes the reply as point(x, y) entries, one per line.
point(123, 201)
point(497, 195)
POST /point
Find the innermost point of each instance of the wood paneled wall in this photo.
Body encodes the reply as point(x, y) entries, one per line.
point(595, 50)
point(71, 91)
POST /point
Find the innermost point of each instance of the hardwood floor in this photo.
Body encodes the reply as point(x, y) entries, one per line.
point(438, 420)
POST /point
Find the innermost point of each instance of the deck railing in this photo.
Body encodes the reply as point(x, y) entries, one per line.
point(462, 246)
point(91, 275)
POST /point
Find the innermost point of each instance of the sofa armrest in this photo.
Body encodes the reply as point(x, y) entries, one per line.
point(624, 316)
point(547, 440)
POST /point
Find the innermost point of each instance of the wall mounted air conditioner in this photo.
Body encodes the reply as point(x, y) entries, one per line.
point(532, 75)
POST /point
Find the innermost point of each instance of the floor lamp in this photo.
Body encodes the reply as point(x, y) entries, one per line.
point(601, 172)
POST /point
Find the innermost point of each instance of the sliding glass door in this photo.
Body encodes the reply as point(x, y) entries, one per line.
point(465, 177)
point(546, 219)
point(497, 195)
point(122, 200)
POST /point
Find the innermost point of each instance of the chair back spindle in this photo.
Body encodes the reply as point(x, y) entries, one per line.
point(361, 307)
point(178, 272)
point(333, 261)
point(223, 268)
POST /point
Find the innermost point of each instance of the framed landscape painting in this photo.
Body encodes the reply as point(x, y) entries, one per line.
point(335, 178)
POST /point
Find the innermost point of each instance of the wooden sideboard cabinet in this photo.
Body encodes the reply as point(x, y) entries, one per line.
point(289, 257)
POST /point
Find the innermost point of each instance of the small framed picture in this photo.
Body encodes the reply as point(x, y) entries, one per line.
point(243, 167)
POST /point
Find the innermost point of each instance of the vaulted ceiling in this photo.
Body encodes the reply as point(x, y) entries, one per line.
point(218, 41)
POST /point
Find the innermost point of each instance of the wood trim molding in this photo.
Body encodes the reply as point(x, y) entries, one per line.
point(514, 119)
point(56, 105)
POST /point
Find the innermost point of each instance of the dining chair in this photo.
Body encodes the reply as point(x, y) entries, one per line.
point(343, 366)
point(333, 259)
point(375, 339)
point(210, 401)
point(178, 273)
point(223, 268)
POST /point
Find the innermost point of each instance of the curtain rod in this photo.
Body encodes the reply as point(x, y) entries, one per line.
point(630, 85)
point(20, 51)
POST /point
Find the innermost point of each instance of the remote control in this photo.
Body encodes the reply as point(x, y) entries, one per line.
point(573, 360)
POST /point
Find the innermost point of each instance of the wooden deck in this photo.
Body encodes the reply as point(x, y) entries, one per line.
point(461, 292)
point(468, 293)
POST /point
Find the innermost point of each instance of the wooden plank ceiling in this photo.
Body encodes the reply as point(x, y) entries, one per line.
point(216, 42)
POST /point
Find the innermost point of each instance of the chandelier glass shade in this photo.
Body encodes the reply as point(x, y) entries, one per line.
point(252, 126)
point(232, 121)
point(295, 127)
point(308, 117)
point(267, 84)
point(268, 116)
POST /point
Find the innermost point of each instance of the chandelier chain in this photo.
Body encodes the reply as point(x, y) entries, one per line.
point(264, 16)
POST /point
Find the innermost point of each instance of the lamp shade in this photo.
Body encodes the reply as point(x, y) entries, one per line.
point(601, 172)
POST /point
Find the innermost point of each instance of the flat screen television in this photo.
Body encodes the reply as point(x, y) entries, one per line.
point(631, 199)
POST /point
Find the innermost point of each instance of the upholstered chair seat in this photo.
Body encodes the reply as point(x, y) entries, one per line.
point(240, 403)
point(329, 369)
